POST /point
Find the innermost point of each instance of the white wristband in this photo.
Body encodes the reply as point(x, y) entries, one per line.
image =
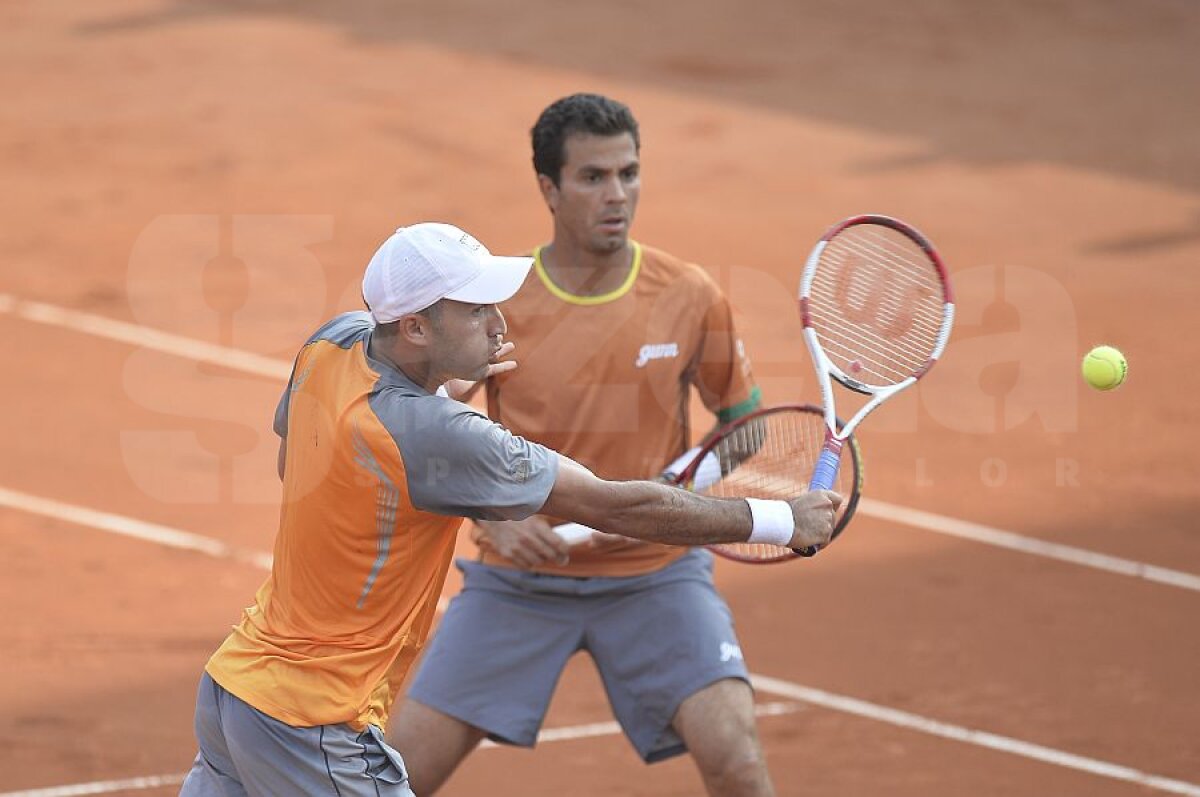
point(774, 522)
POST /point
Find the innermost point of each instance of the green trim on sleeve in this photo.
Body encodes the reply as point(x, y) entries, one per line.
point(741, 408)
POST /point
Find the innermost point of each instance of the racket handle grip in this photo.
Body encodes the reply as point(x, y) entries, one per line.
point(825, 474)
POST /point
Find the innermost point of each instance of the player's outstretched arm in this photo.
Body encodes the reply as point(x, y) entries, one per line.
point(659, 513)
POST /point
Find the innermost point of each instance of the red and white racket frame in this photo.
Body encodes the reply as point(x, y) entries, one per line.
point(741, 552)
point(824, 366)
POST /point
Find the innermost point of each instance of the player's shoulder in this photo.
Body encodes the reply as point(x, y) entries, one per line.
point(343, 330)
point(403, 407)
point(425, 426)
point(660, 261)
point(662, 268)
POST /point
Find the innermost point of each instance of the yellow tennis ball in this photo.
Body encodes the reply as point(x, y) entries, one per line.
point(1104, 368)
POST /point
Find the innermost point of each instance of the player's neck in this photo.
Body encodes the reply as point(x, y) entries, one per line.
point(583, 272)
point(419, 371)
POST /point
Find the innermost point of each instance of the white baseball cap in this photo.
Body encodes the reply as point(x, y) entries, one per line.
point(425, 263)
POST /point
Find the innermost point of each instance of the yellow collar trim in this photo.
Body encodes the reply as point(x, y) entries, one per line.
point(603, 298)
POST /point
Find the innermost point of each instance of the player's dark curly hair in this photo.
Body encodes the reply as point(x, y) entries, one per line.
point(578, 113)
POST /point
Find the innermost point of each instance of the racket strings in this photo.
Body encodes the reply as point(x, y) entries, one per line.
point(901, 256)
point(922, 329)
point(849, 351)
point(885, 304)
point(864, 357)
point(910, 334)
point(877, 304)
point(775, 455)
point(908, 277)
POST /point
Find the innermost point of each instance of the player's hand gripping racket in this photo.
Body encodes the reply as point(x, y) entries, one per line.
point(768, 454)
point(877, 308)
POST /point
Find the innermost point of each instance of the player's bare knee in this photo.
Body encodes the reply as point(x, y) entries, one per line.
point(737, 773)
point(739, 756)
point(432, 744)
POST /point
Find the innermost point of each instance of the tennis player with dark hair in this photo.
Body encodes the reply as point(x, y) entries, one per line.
point(614, 335)
point(378, 471)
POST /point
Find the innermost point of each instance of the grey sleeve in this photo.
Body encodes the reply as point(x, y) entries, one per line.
point(285, 400)
point(342, 330)
point(281, 411)
point(459, 462)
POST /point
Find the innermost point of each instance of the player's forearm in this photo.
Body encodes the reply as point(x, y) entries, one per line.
point(660, 513)
point(645, 510)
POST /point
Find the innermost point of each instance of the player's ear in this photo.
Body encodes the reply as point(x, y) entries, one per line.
point(415, 329)
point(549, 191)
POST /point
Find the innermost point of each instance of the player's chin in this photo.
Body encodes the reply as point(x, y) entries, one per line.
point(607, 243)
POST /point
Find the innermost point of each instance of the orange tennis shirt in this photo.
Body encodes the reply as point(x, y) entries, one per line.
point(606, 380)
point(378, 478)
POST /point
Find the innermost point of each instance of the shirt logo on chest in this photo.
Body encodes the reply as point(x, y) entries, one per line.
point(656, 351)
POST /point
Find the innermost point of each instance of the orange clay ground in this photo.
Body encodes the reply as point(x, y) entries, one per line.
point(222, 171)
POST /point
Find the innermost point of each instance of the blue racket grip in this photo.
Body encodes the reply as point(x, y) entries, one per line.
point(826, 471)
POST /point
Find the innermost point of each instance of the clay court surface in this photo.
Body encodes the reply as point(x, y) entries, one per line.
point(222, 171)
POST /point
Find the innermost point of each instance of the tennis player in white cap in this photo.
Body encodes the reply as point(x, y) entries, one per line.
point(378, 472)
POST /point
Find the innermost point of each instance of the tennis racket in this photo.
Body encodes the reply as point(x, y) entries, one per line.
point(768, 454)
point(877, 308)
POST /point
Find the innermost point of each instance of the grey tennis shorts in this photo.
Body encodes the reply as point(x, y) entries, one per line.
point(656, 639)
point(245, 752)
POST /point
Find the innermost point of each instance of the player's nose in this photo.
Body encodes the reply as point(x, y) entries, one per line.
point(496, 323)
point(616, 191)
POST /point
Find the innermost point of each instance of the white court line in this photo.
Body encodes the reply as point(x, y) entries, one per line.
point(796, 692)
point(141, 530)
point(185, 540)
point(611, 728)
point(564, 734)
point(1004, 744)
point(252, 363)
point(145, 337)
point(101, 787)
point(1029, 545)
point(130, 527)
point(238, 360)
